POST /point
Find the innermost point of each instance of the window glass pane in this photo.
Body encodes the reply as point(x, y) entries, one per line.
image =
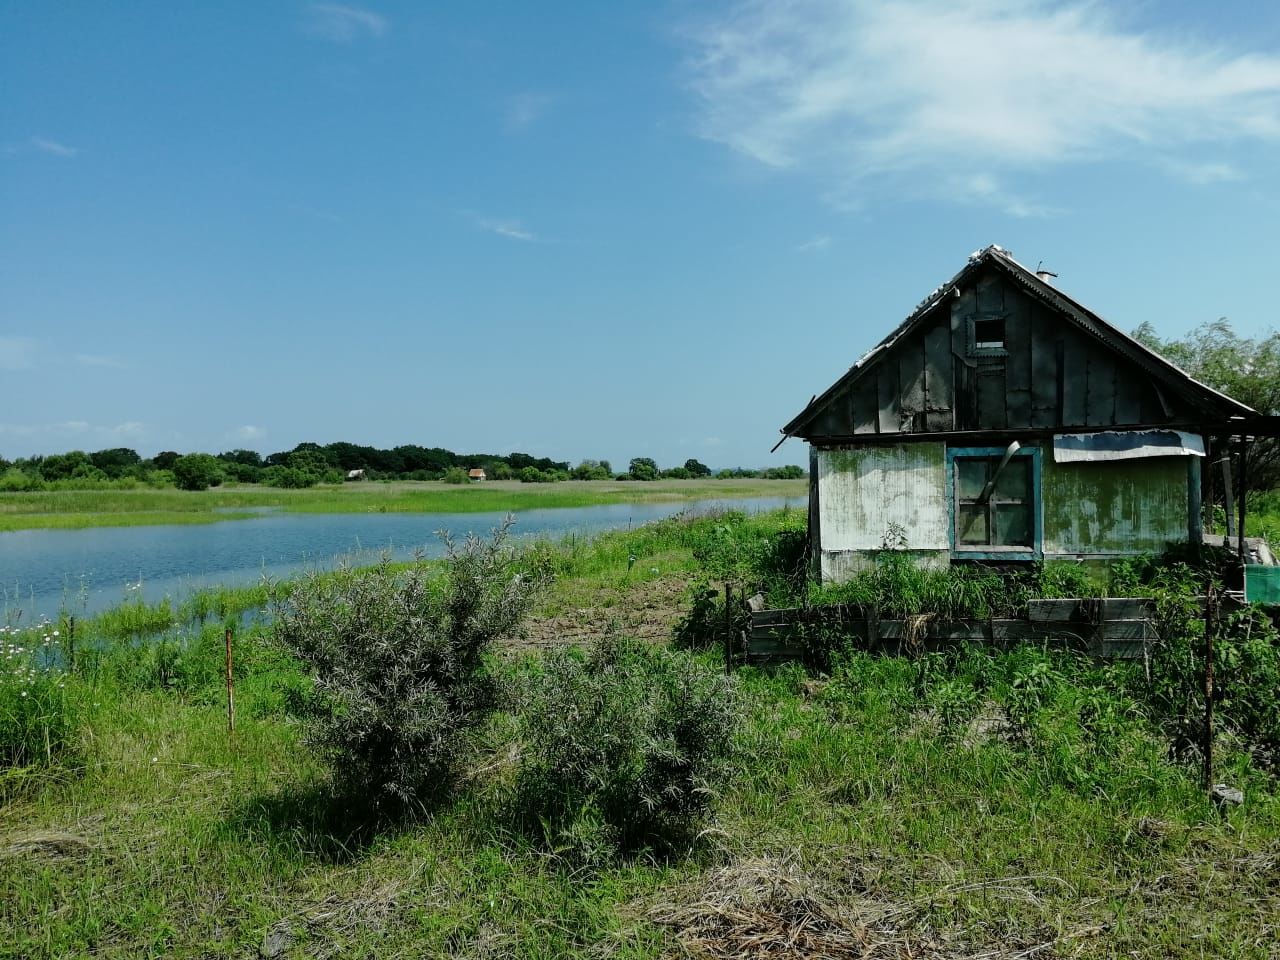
point(1012, 524)
point(1014, 482)
point(971, 477)
point(989, 334)
point(971, 524)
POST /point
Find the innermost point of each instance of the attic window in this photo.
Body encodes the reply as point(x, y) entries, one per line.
point(988, 334)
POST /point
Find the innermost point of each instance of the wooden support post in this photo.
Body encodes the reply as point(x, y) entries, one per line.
point(728, 629)
point(1228, 490)
point(231, 689)
point(1244, 480)
point(1210, 628)
point(1206, 483)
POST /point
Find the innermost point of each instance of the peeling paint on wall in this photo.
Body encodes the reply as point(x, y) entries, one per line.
point(1124, 507)
point(864, 493)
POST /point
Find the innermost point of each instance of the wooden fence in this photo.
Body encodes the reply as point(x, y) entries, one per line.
point(1111, 628)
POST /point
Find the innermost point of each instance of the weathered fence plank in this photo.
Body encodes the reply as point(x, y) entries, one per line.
point(1119, 628)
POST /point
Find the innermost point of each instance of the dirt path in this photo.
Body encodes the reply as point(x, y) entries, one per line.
point(647, 611)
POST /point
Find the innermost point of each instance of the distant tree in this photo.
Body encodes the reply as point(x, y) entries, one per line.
point(250, 458)
point(116, 461)
point(455, 475)
point(165, 459)
point(697, 469)
point(643, 468)
point(63, 466)
point(197, 471)
point(1244, 369)
point(677, 473)
point(592, 470)
point(790, 472)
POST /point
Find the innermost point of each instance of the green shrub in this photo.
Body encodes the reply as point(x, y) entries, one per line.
point(455, 475)
point(197, 471)
point(624, 746)
point(398, 661)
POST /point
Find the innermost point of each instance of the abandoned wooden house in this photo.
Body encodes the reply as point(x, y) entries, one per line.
point(1004, 421)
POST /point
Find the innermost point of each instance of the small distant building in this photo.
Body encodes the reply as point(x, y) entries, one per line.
point(477, 474)
point(1003, 420)
point(355, 474)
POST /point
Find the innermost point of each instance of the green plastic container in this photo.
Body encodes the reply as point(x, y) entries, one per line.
point(1261, 583)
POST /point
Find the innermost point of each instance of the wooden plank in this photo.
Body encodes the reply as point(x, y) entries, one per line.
point(1127, 608)
point(889, 418)
point(1012, 631)
point(911, 383)
point(1075, 379)
point(1044, 369)
point(1017, 338)
point(772, 645)
point(1100, 397)
point(780, 632)
point(1018, 408)
point(1126, 630)
point(938, 387)
point(991, 398)
point(990, 293)
point(866, 405)
point(775, 616)
point(964, 396)
point(1053, 610)
point(1131, 384)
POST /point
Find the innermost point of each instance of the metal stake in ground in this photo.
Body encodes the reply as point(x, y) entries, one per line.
point(728, 629)
point(231, 690)
point(1210, 627)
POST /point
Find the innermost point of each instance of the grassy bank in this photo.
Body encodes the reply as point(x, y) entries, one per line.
point(1002, 805)
point(69, 509)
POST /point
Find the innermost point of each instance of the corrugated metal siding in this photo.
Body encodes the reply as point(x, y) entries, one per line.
point(1124, 507)
point(863, 492)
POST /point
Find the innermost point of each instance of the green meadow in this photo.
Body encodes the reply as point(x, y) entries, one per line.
point(962, 804)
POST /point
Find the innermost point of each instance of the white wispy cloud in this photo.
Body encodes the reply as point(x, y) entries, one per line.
point(53, 147)
point(943, 91)
point(249, 432)
point(99, 360)
point(525, 109)
point(18, 353)
point(343, 24)
point(813, 245)
point(512, 229)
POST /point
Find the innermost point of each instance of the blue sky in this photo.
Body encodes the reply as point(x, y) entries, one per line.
point(587, 230)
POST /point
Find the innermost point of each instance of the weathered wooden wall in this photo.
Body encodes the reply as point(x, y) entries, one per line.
point(868, 493)
point(1116, 508)
point(1051, 374)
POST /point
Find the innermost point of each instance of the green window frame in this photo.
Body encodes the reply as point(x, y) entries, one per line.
point(995, 510)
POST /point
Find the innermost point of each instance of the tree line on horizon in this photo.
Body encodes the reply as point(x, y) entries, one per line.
point(308, 464)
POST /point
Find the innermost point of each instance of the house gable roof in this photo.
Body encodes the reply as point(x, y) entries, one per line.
point(1213, 403)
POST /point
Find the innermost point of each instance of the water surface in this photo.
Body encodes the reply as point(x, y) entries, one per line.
point(84, 571)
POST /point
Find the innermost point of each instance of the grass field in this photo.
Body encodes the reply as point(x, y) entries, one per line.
point(70, 509)
point(992, 805)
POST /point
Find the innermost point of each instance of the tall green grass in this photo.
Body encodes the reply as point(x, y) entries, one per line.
point(987, 803)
